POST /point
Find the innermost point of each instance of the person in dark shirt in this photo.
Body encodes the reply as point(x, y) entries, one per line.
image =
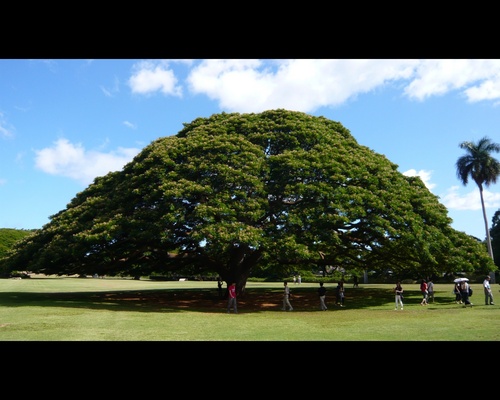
point(398, 290)
point(340, 294)
point(219, 287)
point(458, 295)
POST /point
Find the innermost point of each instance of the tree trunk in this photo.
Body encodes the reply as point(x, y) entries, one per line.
point(488, 237)
point(241, 262)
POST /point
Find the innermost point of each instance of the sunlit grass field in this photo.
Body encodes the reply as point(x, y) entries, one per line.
point(111, 309)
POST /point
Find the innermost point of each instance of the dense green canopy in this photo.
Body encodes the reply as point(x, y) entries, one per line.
point(234, 192)
point(9, 236)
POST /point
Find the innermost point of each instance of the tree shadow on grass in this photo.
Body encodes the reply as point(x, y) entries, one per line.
point(206, 300)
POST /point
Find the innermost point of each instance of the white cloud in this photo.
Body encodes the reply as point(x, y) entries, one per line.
point(479, 79)
point(251, 85)
point(424, 175)
point(453, 200)
point(471, 201)
point(73, 161)
point(487, 90)
point(302, 85)
point(150, 77)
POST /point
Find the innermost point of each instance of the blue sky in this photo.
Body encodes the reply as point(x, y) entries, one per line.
point(64, 122)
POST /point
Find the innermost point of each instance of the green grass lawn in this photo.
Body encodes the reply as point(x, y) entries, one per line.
point(76, 309)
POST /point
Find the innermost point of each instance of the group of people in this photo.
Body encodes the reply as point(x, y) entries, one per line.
point(339, 297)
point(465, 293)
point(427, 289)
point(287, 306)
point(461, 291)
point(232, 302)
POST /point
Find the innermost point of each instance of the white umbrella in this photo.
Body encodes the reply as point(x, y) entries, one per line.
point(461, 280)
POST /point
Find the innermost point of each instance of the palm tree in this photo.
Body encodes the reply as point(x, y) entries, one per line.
point(483, 169)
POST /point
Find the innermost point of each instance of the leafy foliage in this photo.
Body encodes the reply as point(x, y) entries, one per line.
point(482, 168)
point(8, 237)
point(495, 237)
point(279, 191)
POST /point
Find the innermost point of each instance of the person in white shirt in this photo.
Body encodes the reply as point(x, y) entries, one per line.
point(488, 295)
point(430, 289)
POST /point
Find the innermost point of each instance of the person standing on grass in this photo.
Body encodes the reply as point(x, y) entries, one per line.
point(488, 295)
point(340, 294)
point(430, 289)
point(286, 298)
point(231, 302)
point(398, 290)
point(219, 287)
point(458, 295)
point(464, 291)
point(322, 296)
point(425, 293)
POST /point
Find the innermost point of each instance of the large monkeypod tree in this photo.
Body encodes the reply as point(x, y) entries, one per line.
point(233, 192)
